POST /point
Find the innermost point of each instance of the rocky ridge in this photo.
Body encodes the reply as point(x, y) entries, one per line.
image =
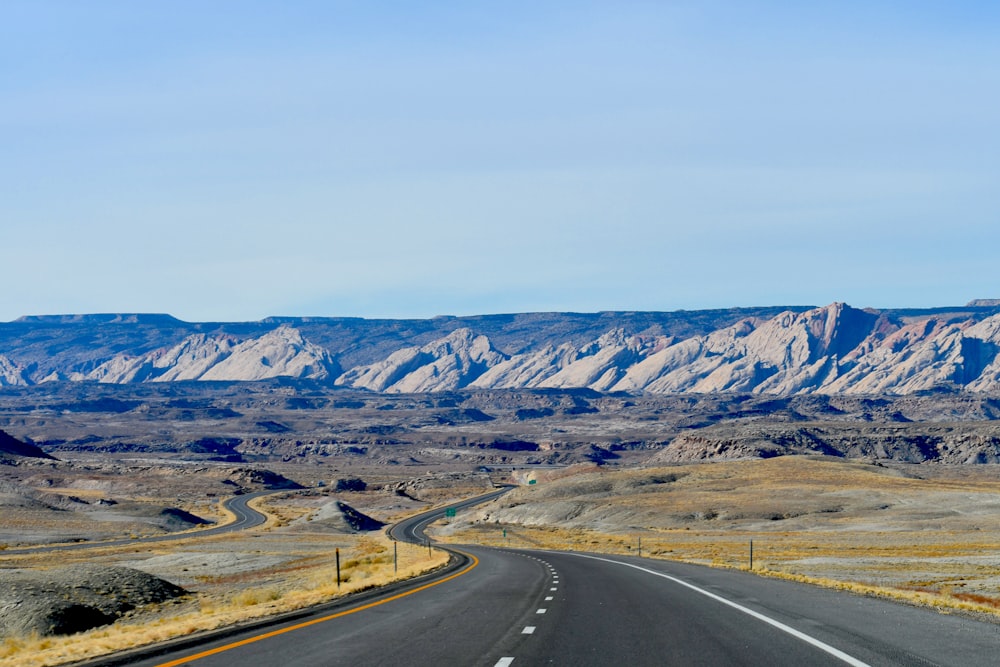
point(10, 373)
point(836, 349)
point(948, 443)
point(279, 353)
point(442, 365)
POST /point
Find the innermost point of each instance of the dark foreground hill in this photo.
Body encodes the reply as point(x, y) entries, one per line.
point(12, 448)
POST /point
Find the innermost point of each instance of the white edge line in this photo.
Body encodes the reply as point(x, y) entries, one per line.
point(837, 653)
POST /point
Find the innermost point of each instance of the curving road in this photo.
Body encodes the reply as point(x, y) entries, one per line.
point(246, 517)
point(412, 529)
point(535, 607)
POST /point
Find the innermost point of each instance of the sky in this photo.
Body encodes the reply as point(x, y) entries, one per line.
point(229, 161)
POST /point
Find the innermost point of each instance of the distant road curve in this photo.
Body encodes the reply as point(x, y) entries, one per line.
point(412, 529)
point(246, 517)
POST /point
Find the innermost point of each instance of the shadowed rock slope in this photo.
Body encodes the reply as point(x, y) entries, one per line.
point(12, 449)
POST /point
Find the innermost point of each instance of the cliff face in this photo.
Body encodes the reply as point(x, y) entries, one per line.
point(449, 363)
point(278, 353)
point(10, 373)
point(836, 349)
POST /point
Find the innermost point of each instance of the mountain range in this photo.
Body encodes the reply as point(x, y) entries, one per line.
point(835, 349)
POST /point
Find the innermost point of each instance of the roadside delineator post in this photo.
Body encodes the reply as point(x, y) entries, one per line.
point(338, 568)
point(640, 547)
point(751, 554)
point(395, 557)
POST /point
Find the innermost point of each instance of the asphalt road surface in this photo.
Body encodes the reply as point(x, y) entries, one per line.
point(537, 608)
point(246, 517)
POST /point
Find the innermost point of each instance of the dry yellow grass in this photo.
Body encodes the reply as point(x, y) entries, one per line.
point(932, 539)
point(366, 565)
point(294, 571)
point(279, 511)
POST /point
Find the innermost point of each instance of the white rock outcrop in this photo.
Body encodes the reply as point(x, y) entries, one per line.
point(835, 349)
point(11, 374)
point(791, 353)
point(279, 353)
point(452, 362)
point(194, 357)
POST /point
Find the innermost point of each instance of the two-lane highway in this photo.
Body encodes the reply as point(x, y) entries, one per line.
point(610, 609)
point(507, 608)
point(533, 608)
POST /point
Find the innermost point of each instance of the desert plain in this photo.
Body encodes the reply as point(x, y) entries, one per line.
point(835, 492)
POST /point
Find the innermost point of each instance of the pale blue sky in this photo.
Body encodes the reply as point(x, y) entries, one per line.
point(234, 160)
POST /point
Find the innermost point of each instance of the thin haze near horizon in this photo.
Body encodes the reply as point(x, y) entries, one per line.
point(234, 160)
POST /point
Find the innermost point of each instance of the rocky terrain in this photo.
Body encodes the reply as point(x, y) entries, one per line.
point(235, 429)
point(44, 499)
point(912, 443)
point(67, 600)
point(836, 349)
point(12, 450)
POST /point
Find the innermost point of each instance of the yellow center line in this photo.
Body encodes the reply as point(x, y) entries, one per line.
point(306, 624)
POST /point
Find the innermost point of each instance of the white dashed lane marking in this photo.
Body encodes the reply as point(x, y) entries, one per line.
point(530, 629)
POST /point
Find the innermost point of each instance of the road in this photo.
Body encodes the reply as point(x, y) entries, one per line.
point(535, 607)
point(246, 517)
point(412, 529)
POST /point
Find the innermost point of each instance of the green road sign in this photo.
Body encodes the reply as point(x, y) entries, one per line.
point(450, 511)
